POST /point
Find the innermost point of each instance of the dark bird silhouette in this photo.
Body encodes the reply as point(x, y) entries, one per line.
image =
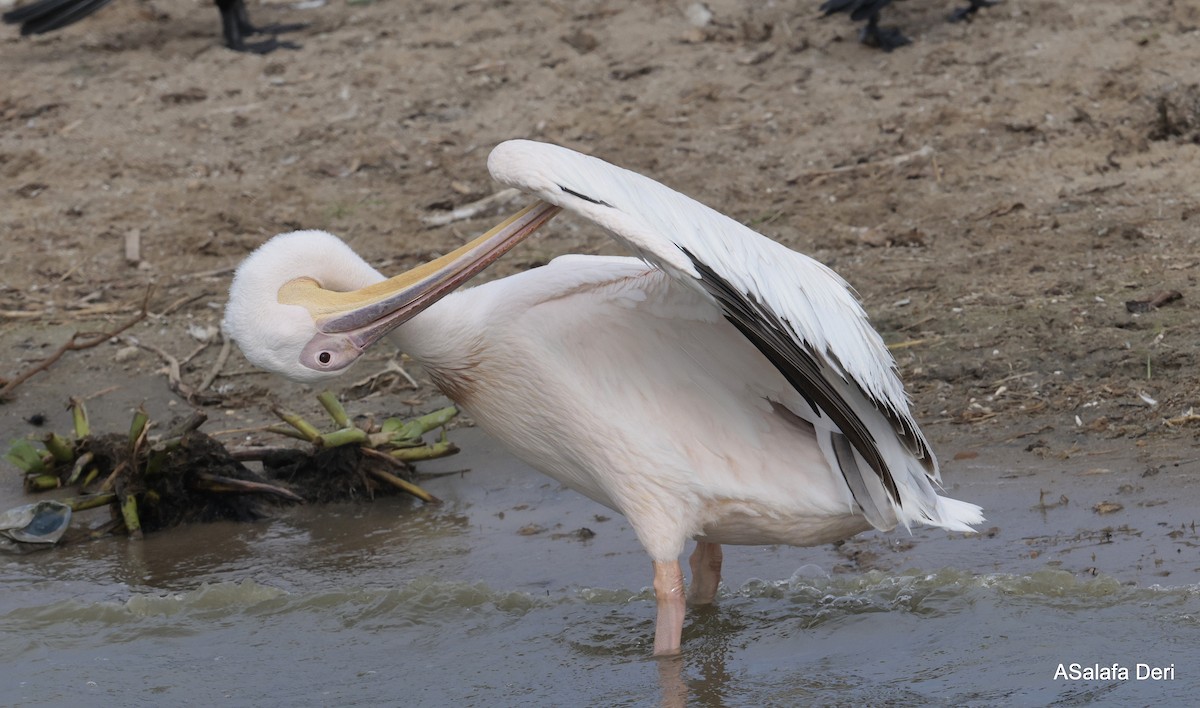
point(888, 38)
point(48, 15)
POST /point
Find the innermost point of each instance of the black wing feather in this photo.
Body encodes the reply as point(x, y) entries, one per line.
point(49, 15)
point(857, 9)
point(802, 370)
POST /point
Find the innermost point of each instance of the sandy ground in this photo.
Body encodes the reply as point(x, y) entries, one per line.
point(997, 192)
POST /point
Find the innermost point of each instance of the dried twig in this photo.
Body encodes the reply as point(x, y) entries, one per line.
point(392, 366)
point(172, 370)
point(206, 273)
point(469, 211)
point(915, 158)
point(133, 246)
point(1188, 416)
point(17, 314)
point(193, 354)
point(380, 379)
point(220, 483)
point(77, 342)
point(258, 454)
point(102, 392)
point(395, 481)
point(174, 379)
point(906, 344)
point(220, 364)
point(185, 300)
point(1156, 301)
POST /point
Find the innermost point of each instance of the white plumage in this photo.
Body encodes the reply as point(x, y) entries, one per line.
point(719, 387)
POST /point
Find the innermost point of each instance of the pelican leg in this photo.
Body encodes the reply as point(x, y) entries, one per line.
point(235, 24)
point(968, 13)
point(706, 573)
point(668, 591)
point(885, 38)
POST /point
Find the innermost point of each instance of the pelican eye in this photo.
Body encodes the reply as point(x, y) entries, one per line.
point(329, 352)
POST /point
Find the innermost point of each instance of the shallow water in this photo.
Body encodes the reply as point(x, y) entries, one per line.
point(392, 603)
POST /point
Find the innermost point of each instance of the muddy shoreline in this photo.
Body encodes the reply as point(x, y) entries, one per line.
point(996, 192)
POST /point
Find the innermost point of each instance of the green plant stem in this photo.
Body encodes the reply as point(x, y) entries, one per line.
point(335, 410)
point(83, 461)
point(415, 428)
point(89, 502)
point(385, 476)
point(24, 455)
point(41, 483)
point(304, 427)
point(345, 436)
point(441, 448)
point(285, 430)
point(79, 417)
point(60, 447)
point(217, 483)
point(137, 426)
point(158, 454)
point(129, 513)
point(109, 527)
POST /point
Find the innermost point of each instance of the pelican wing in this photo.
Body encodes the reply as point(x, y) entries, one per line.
point(800, 314)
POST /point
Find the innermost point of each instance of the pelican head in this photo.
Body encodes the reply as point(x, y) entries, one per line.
point(306, 306)
point(272, 333)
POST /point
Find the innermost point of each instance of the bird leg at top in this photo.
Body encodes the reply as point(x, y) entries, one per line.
point(706, 573)
point(886, 39)
point(668, 591)
point(235, 24)
point(968, 13)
